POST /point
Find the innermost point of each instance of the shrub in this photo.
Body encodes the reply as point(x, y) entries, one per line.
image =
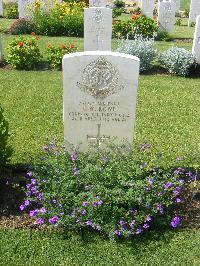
point(23, 53)
point(141, 47)
point(55, 54)
point(138, 25)
point(62, 19)
point(177, 61)
point(119, 4)
point(162, 35)
point(5, 151)
point(116, 193)
point(11, 10)
point(116, 12)
point(21, 26)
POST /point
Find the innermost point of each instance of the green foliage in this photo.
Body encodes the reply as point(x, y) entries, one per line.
point(21, 26)
point(11, 10)
point(119, 4)
point(115, 192)
point(116, 12)
point(5, 151)
point(140, 25)
point(178, 22)
point(23, 53)
point(162, 35)
point(56, 53)
point(63, 19)
point(177, 61)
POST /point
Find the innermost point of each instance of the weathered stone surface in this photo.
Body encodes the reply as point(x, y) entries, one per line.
point(194, 11)
point(100, 91)
point(196, 41)
point(166, 15)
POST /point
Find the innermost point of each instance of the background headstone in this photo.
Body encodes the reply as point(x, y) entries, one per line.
point(166, 15)
point(178, 5)
point(147, 7)
point(194, 11)
point(196, 41)
point(1, 8)
point(97, 3)
point(97, 29)
point(24, 8)
point(100, 90)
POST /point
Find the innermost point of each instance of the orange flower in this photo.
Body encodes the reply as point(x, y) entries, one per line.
point(20, 44)
point(32, 33)
point(63, 46)
point(133, 17)
point(71, 46)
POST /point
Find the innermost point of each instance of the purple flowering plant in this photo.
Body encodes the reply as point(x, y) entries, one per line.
point(116, 196)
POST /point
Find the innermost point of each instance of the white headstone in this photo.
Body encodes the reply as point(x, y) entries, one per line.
point(97, 3)
point(97, 29)
point(178, 5)
point(166, 15)
point(100, 90)
point(147, 7)
point(1, 8)
point(24, 8)
point(196, 41)
point(194, 11)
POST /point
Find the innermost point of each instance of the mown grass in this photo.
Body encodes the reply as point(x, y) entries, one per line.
point(20, 247)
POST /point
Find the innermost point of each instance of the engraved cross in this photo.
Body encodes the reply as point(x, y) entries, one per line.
point(98, 138)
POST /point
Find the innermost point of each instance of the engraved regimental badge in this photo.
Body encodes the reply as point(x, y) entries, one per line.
point(100, 79)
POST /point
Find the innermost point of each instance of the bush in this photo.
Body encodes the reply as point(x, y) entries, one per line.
point(139, 25)
point(21, 26)
point(116, 12)
point(119, 4)
point(141, 47)
point(55, 54)
point(23, 53)
point(116, 193)
point(11, 10)
point(62, 19)
point(5, 151)
point(177, 61)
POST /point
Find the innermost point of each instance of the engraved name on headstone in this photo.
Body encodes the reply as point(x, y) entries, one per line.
point(196, 41)
point(166, 15)
point(97, 29)
point(100, 90)
point(147, 7)
point(194, 11)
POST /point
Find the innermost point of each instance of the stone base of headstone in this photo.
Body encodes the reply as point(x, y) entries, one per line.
point(100, 91)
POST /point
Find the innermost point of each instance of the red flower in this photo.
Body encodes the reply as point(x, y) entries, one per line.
point(20, 44)
point(71, 46)
point(32, 33)
point(63, 46)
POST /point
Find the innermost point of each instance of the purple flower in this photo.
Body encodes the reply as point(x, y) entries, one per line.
point(150, 181)
point(138, 231)
point(45, 148)
point(33, 181)
point(134, 211)
point(54, 201)
point(88, 223)
point(53, 220)
point(26, 202)
point(94, 203)
point(175, 221)
point(28, 193)
point(100, 202)
point(117, 232)
point(146, 226)
point(181, 181)
point(75, 171)
point(42, 210)
point(149, 218)
point(159, 208)
point(168, 185)
point(39, 221)
point(122, 223)
point(62, 213)
point(73, 156)
point(73, 215)
point(29, 174)
point(190, 174)
point(22, 207)
point(33, 213)
point(178, 171)
point(160, 193)
point(40, 196)
point(28, 186)
point(85, 203)
point(178, 200)
point(83, 212)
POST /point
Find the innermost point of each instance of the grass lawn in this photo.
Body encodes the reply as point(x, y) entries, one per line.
point(18, 247)
point(168, 116)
